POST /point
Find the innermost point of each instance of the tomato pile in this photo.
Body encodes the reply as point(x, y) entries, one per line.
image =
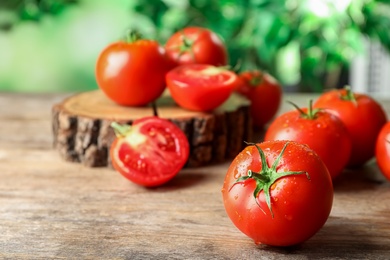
point(192, 66)
point(279, 191)
point(266, 193)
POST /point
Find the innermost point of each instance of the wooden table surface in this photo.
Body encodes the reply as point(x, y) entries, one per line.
point(51, 209)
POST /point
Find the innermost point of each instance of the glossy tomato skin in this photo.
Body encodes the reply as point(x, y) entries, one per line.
point(382, 150)
point(363, 118)
point(132, 73)
point(300, 206)
point(196, 45)
point(200, 87)
point(151, 153)
point(265, 94)
point(325, 134)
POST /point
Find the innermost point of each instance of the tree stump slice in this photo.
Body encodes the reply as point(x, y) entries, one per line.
point(82, 131)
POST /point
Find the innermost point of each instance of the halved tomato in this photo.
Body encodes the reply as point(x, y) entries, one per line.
point(201, 87)
point(150, 152)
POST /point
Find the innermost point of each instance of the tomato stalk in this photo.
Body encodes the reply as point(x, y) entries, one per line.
point(133, 36)
point(186, 46)
point(154, 106)
point(311, 112)
point(267, 176)
point(120, 130)
point(256, 79)
point(349, 95)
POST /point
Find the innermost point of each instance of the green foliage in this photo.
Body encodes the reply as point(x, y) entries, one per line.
point(299, 42)
point(326, 35)
point(32, 9)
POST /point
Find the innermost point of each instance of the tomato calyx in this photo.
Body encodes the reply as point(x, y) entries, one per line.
point(256, 79)
point(311, 113)
point(267, 176)
point(133, 36)
point(186, 46)
point(121, 130)
point(348, 95)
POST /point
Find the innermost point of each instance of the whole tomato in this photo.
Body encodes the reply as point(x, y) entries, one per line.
point(382, 150)
point(150, 152)
point(363, 117)
point(132, 72)
point(196, 45)
point(320, 130)
point(200, 87)
point(265, 94)
point(278, 193)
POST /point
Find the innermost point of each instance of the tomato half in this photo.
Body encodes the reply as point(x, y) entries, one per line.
point(362, 115)
point(382, 150)
point(265, 94)
point(196, 45)
point(200, 87)
point(132, 73)
point(320, 130)
point(150, 152)
point(278, 193)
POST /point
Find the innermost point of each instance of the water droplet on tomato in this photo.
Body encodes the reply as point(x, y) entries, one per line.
point(288, 217)
point(258, 243)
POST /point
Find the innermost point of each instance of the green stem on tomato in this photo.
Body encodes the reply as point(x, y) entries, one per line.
point(311, 112)
point(133, 36)
point(349, 95)
point(267, 176)
point(120, 130)
point(256, 79)
point(186, 46)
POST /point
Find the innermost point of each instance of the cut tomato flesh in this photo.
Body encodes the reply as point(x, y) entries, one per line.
point(204, 75)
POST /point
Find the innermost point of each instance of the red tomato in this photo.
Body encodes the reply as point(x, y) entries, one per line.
point(382, 150)
point(200, 87)
point(362, 116)
point(150, 152)
point(132, 73)
point(321, 131)
point(278, 193)
point(196, 45)
point(265, 95)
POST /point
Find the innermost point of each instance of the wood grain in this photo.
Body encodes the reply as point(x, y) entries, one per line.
point(52, 209)
point(82, 131)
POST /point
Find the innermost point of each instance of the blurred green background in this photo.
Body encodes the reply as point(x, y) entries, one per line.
point(308, 45)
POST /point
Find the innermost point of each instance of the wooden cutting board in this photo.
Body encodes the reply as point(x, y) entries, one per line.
point(82, 132)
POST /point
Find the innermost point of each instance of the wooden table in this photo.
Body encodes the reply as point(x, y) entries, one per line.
point(54, 209)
